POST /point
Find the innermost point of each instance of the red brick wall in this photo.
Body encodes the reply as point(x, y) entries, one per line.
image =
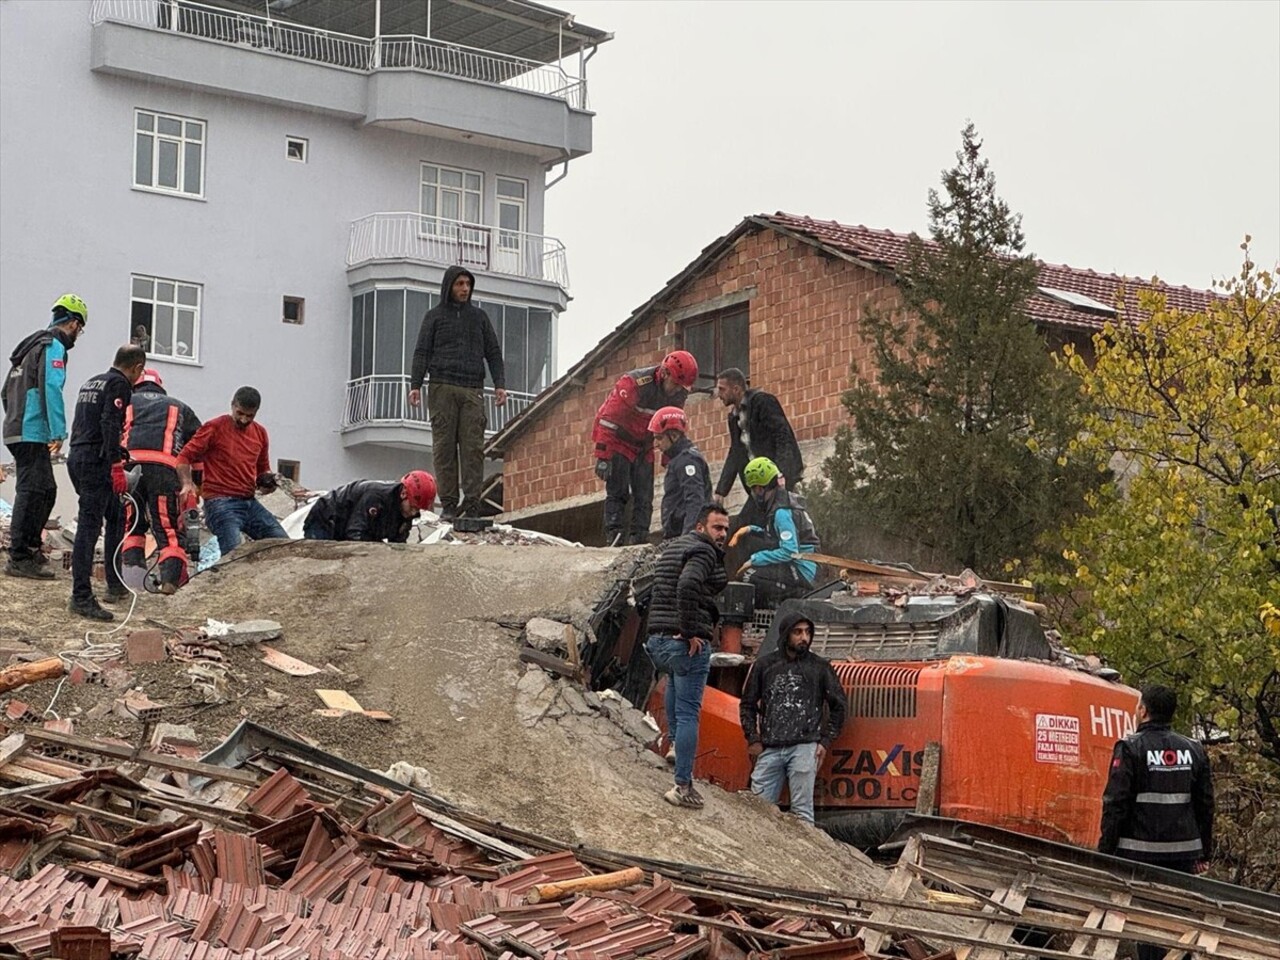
point(804, 332)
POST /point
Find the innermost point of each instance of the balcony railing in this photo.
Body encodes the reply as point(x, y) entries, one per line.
point(412, 236)
point(302, 42)
point(385, 400)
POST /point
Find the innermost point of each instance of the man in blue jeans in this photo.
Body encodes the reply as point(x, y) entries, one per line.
point(682, 617)
point(792, 708)
point(233, 449)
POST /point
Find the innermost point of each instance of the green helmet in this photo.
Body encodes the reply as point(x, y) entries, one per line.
point(760, 472)
point(72, 304)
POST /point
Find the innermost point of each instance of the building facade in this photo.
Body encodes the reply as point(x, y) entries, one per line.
point(781, 297)
point(270, 193)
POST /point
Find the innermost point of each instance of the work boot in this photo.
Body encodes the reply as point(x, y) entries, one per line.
point(27, 568)
point(449, 513)
point(168, 589)
point(118, 594)
point(41, 560)
point(90, 608)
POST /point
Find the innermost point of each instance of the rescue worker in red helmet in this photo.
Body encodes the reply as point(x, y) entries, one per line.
point(686, 488)
point(624, 446)
point(371, 510)
point(156, 428)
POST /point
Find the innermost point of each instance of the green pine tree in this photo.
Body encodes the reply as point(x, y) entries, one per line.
point(962, 443)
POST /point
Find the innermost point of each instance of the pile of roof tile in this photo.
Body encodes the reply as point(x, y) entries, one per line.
point(109, 850)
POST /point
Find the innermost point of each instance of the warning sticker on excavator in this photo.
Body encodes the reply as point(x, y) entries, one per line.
point(1057, 738)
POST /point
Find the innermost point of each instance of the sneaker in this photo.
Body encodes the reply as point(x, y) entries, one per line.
point(117, 594)
point(683, 795)
point(40, 558)
point(670, 756)
point(90, 608)
point(27, 568)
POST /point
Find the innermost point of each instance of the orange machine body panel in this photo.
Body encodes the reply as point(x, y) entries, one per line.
point(1025, 745)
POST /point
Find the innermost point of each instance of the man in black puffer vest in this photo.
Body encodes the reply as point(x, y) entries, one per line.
point(1158, 805)
point(682, 619)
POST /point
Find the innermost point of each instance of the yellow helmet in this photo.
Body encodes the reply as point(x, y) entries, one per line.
point(73, 305)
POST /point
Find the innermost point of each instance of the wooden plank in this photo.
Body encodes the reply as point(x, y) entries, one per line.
point(927, 795)
point(1113, 922)
point(999, 931)
point(84, 745)
point(294, 667)
point(340, 700)
point(877, 937)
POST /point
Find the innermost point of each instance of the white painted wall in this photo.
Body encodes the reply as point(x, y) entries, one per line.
point(268, 227)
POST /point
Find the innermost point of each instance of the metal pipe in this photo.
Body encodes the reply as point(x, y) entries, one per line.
point(377, 33)
point(564, 173)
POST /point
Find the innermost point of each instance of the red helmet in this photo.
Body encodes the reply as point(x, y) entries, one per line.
point(669, 418)
point(419, 488)
point(681, 367)
point(150, 375)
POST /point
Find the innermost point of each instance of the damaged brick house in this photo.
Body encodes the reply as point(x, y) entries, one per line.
point(781, 297)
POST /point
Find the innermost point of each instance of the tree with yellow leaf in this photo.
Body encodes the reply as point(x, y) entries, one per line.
point(1179, 556)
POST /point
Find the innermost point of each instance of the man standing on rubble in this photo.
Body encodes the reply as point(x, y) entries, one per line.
point(371, 510)
point(686, 487)
point(682, 617)
point(96, 467)
point(758, 427)
point(35, 424)
point(624, 447)
point(455, 343)
point(778, 519)
point(234, 451)
point(792, 709)
point(157, 427)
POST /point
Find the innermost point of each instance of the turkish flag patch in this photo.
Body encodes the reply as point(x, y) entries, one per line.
point(119, 403)
point(58, 364)
point(374, 511)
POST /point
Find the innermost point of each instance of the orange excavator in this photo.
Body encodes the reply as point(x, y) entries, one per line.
point(959, 705)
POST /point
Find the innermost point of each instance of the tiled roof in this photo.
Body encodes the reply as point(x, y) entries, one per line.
point(883, 248)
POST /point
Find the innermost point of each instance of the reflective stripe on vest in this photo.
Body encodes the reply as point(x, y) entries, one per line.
point(1160, 846)
point(1163, 798)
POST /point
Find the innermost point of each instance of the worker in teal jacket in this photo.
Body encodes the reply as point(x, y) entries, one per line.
point(783, 534)
point(35, 424)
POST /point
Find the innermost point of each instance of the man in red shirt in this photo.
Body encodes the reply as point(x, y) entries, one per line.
point(233, 449)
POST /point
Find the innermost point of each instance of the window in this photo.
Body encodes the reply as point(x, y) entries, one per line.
point(164, 318)
point(719, 341)
point(289, 469)
point(168, 153)
point(292, 309)
point(295, 148)
point(450, 195)
point(511, 213)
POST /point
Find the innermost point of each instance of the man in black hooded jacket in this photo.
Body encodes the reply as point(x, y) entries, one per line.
point(455, 343)
point(792, 708)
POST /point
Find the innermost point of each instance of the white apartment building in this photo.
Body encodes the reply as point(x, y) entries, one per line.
point(268, 192)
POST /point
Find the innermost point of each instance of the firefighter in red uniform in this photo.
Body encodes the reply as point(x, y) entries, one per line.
point(624, 446)
point(157, 426)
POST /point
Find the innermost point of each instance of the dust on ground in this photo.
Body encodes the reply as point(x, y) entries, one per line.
point(430, 634)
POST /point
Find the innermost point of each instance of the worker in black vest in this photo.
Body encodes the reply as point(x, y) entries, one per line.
point(371, 510)
point(686, 487)
point(157, 427)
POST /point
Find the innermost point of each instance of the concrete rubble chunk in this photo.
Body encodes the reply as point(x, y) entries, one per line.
point(243, 633)
point(549, 636)
point(419, 778)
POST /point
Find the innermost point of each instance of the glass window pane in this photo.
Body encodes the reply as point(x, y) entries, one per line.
point(510, 188)
point(509, 216)
point(366, 359)
point(700, 340)
point(168, 125)
point(143, 287)
point(168, 173)
point(195, 131)
point(357, 336)
point(416, 305)
point(191, 168)
point(188, 295)
point(140, 325)
point(515, 340)
point(473, 208)
point(388, 351)
point(538, 363)
point(429, 200)
point(146, 121)
point(473, 181)
point(429, 174)
point(186, 345)
point(163, 331)
point(164, 291)
point(450, 178)
point(142, 162)
point(448, 205)
point(734, 344)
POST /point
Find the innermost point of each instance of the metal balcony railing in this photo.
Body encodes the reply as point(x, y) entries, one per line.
point(412, 236)
point(334, 49)
point(385, 400)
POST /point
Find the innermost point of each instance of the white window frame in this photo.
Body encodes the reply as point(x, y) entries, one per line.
point(516, 241)
point(182, 141)
point(477, 193)
point(301, 141)
point(172, 356)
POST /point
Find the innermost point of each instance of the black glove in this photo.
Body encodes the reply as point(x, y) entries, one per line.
point(602, 469)
point(267, 482)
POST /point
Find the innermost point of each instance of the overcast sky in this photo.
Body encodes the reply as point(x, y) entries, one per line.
point(1137, 138)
